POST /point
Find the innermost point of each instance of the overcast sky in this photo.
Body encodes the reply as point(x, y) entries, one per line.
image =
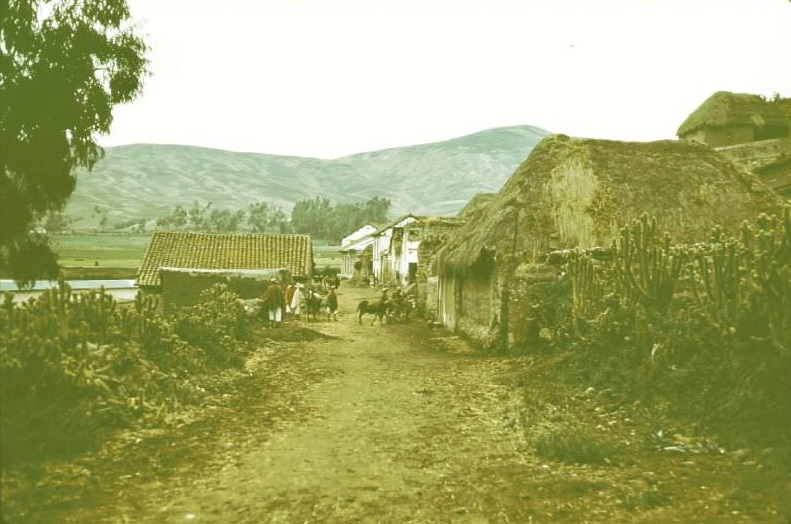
point(327, 78)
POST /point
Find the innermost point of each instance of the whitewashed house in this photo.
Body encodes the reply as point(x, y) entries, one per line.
point(356, 252)
point(393, 252)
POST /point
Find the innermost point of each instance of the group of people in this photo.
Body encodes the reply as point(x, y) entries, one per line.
point(279, 302)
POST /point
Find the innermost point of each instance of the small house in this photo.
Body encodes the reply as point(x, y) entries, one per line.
point(398, 247)
point(393, 253)
point(727, 118)
point(357, 253)
point(178, 265)
point(577, 192)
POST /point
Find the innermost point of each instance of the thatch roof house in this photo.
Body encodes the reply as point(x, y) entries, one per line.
point(194, 260)
point(733, 118)
point(574, 192)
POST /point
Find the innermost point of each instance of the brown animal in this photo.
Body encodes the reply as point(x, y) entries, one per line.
point(377, 309)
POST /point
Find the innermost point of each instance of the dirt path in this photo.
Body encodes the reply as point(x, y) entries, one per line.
point(397, 423)
point(383, 436)
point(367, 424)
point(378, 428)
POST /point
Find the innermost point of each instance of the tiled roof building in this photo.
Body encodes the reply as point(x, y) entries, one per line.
point(224, 251)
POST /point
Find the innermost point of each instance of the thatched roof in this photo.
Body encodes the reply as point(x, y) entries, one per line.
point(197, 251)
point(476, 205)
point(574, 192)
point(725, 109)
point(438, 221)
point(434, 230)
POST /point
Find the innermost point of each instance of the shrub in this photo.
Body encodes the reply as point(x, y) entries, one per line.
point(217, 324)
point(73, 366)
point(706, 326)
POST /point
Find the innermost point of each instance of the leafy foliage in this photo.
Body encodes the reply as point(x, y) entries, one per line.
point(260, 217)
point(63, 66)
point(73, 366)
point(319, 218)
point(216, 324)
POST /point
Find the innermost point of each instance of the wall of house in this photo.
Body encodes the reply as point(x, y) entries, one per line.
point(396, 256)
point(770, 133)
point(381, 257)
point(347, 264)
point(409, 255)
point(469, 304)
point(472, 305)
point(428, 298)
point(719, 136)
point(533, 306)
point(447, 291)
point(427, 284)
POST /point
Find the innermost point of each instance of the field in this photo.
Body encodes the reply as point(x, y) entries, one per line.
point(100, 256)
point(324, 256)
point(118, 255)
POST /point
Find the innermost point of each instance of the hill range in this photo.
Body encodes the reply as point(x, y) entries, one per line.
point(146, 181)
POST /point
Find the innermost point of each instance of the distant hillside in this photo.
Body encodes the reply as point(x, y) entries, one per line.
point(148, 181)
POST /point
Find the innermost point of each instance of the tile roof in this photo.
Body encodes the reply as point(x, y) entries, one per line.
point(224, 251)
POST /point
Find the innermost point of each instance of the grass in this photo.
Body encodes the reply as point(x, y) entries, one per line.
point(324, 256)
point(106, 250)
point(118, 255)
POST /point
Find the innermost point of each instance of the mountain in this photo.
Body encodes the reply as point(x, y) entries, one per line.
point(147, 181)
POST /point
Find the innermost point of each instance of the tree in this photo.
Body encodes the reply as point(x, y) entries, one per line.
point(258, 216)
point(312, 216)
point(319, 218)
point(64, 64)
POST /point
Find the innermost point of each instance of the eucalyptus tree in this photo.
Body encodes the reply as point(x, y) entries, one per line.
point(64, 65)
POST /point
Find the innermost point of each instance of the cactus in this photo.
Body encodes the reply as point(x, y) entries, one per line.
point(742, 285)
point(646, 271)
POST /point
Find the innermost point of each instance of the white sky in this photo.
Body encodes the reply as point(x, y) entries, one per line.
point(327, 78)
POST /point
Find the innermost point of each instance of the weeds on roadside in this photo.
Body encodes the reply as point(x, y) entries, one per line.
point(571, 444)
point(74, 366)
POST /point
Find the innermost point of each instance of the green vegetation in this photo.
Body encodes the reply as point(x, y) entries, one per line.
point(694, 331)
point(100, 250)
point(319, 218)
point(63, 67)
point(260, 217)
point(73, 367)
point(325, 256)
point(118, 255)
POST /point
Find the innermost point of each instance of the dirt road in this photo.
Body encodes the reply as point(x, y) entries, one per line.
point(345, 422)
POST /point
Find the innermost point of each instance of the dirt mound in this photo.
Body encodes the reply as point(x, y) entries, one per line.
point(288, 333)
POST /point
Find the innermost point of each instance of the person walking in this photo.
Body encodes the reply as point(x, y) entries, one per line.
point(332, 304)
point(289, 295)
point(274, 300)
point(296, 301)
